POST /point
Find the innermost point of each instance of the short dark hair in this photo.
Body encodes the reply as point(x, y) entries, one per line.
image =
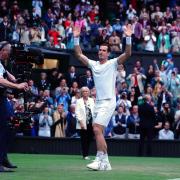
point(106, 44)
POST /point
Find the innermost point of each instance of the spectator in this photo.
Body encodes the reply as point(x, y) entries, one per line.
point(37, 4)
point(133, 121)
point(45, 122)
point(136, 80)
point(175, 43)
point(115, 42)
point(119, 122)
point(43, 84)
point(71, 122)
point(84, 110)
point(166, 133)
point(120, 77)
point(87, 80)
point(35, 36)
point(60, 44)
point(130, 12)
point(62, 85)
point(59, 118)
point(163, 43)
point(150, 42)
point(64, 98)
point(5, 29)
point(71, 76)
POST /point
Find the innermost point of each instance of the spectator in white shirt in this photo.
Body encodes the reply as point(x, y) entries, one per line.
point(166, 133)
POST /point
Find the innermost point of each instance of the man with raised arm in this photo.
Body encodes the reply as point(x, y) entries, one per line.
point(104, 73)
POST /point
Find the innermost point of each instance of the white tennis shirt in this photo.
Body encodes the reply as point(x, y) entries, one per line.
point(104, 78)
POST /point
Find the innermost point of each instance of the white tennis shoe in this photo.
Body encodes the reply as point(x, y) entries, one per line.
point(99, 166)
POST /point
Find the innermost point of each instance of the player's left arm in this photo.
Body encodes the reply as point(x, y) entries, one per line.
point(127, 53)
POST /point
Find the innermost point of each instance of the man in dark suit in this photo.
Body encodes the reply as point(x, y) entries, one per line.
point(71, 76)
point(87, 80)
point(147, 123)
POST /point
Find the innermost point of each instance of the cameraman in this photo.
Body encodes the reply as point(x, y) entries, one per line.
point(7, 80)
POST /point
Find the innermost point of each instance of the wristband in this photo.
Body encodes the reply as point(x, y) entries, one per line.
point(128, 40)
point(76, 41)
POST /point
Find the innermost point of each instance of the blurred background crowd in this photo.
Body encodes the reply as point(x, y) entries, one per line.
point(156, 24)
point(48, 108)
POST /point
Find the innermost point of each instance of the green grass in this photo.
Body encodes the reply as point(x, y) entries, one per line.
point(61, 167)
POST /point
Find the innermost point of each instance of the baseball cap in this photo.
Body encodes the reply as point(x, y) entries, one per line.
point(169, 56)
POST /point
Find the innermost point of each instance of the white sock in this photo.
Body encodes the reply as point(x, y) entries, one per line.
point(99, 154)
point(105, 157)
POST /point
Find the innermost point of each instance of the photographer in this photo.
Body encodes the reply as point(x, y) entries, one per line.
point(7, 80)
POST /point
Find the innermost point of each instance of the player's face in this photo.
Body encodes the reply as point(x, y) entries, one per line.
point(103, 53)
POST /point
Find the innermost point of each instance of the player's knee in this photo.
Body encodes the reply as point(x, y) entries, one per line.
point(97, 130)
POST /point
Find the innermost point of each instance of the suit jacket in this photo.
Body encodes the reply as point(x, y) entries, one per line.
point(140, 78)
point(80, 111)
point(84, 82)
point(147, 116)
point(70, 79)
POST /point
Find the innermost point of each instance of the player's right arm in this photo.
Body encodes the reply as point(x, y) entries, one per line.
point(78, 52)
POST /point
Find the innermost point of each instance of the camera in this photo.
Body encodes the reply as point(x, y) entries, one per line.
point(22, 60)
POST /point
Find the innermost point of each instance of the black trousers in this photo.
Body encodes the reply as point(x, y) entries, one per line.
point(4, 129)
point(86, 136)
point(145, 133)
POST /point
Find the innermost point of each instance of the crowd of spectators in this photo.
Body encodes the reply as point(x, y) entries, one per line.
point(51, 101)
point(155, 27)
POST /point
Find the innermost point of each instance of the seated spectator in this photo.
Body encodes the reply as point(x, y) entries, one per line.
point(119, 122)
point(60, 44)
point(166, 133)
point(133, 122)
point(45, 122)
point(87, 80)
point(59, 124)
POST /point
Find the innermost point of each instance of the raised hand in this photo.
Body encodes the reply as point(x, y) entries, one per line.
point(76, 31)
point(128, 30)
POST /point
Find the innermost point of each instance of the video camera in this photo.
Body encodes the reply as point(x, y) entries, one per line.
point(22, 60)
point(23, 54)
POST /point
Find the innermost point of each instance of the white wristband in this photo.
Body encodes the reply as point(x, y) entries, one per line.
point(76, 41)
point(128, 40)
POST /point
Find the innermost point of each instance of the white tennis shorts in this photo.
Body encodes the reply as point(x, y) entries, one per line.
point(103, 111)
